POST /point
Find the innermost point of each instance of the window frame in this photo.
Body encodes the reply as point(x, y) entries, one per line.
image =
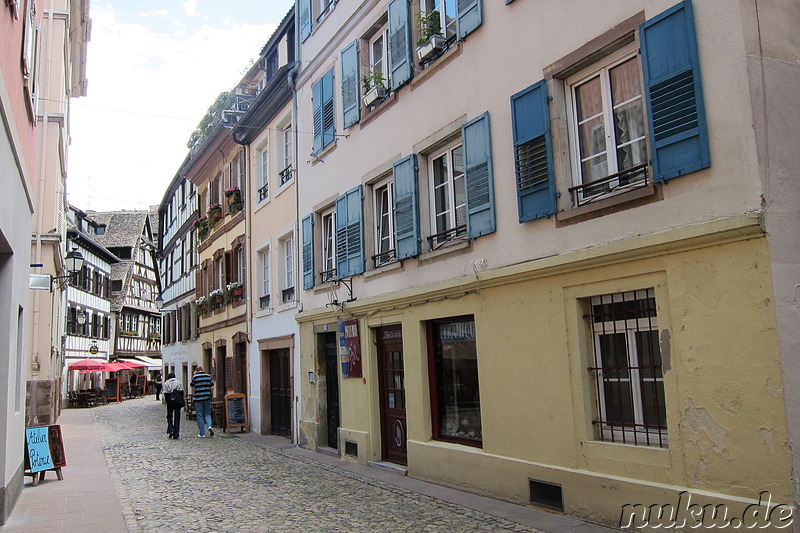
point(434, 382)
point(328, 270)
point(613, 179)
point(288, 282)
point(265, 294)
point(263, 165)
point(607, 430)
point(439, 237)
point(390, 252)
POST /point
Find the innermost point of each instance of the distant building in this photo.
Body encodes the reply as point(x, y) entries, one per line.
point(134, 282)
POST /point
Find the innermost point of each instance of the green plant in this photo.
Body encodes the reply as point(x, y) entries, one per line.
point(428, 25)
point(373, 79)
point(210, 119)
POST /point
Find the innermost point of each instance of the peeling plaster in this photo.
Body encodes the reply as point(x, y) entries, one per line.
point(666, 351)
point(768, 436)
point(699, 420)
point(728, 399)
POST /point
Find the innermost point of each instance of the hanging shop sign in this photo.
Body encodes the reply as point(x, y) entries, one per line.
point(350, 349)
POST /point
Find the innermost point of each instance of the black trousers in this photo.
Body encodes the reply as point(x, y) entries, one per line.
point(173, 421)
point(158, 391)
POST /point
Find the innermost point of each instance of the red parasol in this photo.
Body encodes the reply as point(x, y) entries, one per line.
point(92, 365)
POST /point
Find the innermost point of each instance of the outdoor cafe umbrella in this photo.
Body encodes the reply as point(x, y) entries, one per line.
point(88, 364)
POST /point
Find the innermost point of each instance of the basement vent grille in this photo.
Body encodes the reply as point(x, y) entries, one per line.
point(350, 448)
point(546, 494)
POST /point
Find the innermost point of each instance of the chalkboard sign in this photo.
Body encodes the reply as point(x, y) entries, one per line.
point(112, 390)
point(44, 451)
point(235, 412)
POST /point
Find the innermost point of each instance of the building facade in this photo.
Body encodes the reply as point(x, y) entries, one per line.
point(551, 284)
point(89, 322)
point(134, 282)
point(217, 167)
point(178, 268)
point(267, 131)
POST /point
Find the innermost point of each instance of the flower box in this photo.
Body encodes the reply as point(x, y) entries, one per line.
point(431, 48)
point(374, 95)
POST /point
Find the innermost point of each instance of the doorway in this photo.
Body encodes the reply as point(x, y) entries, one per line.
point(280, 393)
point(331, 388)
point(392, 390)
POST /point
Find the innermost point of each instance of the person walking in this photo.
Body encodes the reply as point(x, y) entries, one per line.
point(173, 394)
point(159, 385)
point(202, 387)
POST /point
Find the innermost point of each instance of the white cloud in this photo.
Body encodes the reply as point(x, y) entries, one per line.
point(147, 92)
point(190, 7)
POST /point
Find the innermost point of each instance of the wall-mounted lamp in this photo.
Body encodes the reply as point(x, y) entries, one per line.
point(159, 301)
point(81, 318)
point(74, 264)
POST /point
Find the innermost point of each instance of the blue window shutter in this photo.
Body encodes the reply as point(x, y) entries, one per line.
point(350, 110)
point(530, 119)
point(349, 234)
point(406, 208)
point(399, 42)
point(478, 176)
point(328, 117)
point(468, 17)
point(308, 252)
point(673, 92)
point(316, 100)
point(305, 19)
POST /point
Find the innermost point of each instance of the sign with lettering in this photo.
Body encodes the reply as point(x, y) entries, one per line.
point(350, 349)
point(38, 449)
point(112, 391)
point(235, 412)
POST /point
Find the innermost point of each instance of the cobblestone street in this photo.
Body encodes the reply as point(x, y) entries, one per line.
point(233, 483)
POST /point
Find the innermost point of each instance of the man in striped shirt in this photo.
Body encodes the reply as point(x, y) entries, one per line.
point(202, 387)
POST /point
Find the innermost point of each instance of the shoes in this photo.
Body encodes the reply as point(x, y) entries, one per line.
point(201, 436)
point(210, 432)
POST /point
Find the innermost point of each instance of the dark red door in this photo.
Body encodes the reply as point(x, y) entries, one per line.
point(392, 383)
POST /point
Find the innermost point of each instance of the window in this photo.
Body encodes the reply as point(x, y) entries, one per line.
point(446, 9)
point(455, 394)
point(608, 128)
point(219, 270)
point(627, 368)
point(286, 137)
point(287, 249)
point(448, 195)
point(378, 53)
point(328, 272)
point(324, 118)
point(271, 64)
point(383, 202)
point(263, 158)
point(349, 234)
point(264, 298)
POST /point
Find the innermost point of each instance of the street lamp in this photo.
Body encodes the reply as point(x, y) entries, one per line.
point(159, 302)
point(74, 263)
point(81, 318)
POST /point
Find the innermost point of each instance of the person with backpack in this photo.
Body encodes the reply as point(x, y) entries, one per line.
point(203, 388)
point(173, 394)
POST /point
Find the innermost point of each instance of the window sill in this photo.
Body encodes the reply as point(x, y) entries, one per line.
point(383, 270)
point(624, 200)
point(317, 158)
point(285, 307)
point(264, 312)
point(457, 245)
point(328, 286)
point(378, 110)
point(439, 63)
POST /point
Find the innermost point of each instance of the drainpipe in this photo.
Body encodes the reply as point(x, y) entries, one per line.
point(291, 78)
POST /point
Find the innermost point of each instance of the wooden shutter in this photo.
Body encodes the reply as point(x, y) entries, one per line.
point(468, 17)
point(530, 119)
point(304, 19)
point(349, 234)
point(673, 92)
point(308, 251)
point(350, 108)
point(328, 117)
point(399, 42)
point(316, 101)
point(406, 207)
point(477, 142)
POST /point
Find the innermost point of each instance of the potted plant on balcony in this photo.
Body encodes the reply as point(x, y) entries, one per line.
point(214, 214)
point(235, 290)
point(374, 85)
point(217, 297)
point(127, 333)
point(203, 305)
point(431, 42)
point(201, 225)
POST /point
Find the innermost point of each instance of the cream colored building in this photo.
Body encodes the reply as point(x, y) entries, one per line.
point(267, 131)
point(538, 266)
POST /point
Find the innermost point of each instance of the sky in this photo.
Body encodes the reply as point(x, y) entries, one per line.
point(154, 67)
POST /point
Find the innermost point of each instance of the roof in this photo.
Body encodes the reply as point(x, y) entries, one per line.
point(123, 228)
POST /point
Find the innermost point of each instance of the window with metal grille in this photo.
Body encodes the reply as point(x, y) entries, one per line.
point(627, 369)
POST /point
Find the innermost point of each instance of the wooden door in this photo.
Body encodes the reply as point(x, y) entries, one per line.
point(280, 392)
point(392, 385)
point(332, 390)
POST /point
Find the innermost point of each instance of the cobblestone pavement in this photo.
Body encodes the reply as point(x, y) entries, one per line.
point(228, 483)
